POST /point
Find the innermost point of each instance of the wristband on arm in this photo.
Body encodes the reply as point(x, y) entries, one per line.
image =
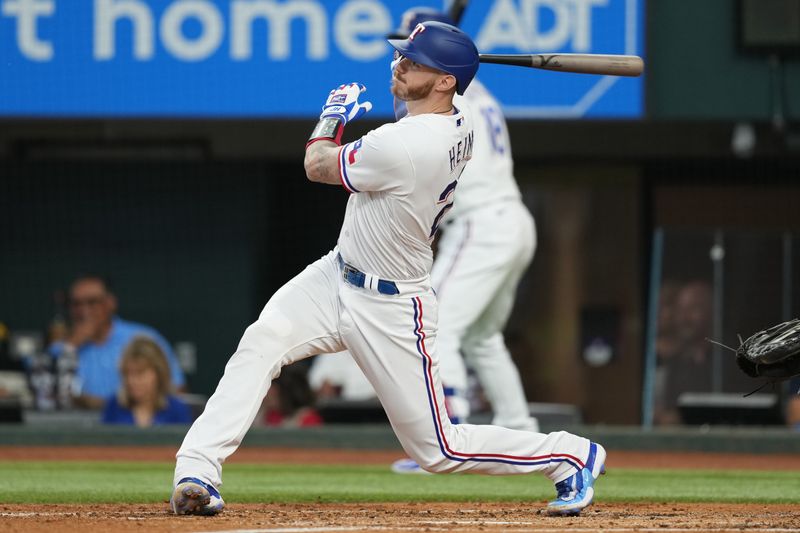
point(327, 129)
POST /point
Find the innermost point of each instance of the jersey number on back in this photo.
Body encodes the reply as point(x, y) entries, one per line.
point(495, 122)
point(444, 198)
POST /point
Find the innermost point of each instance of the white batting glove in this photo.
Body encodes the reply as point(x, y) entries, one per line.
point(343, 103)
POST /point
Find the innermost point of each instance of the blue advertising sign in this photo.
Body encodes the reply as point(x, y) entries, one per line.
point(280, 58)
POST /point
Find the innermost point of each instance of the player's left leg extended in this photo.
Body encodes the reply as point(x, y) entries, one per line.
point(393, 340)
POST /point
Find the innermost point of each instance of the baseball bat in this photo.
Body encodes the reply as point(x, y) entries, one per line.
point(614, 65)
point(456, 10)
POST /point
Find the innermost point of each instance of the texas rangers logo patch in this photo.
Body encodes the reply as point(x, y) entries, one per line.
point(354, 156)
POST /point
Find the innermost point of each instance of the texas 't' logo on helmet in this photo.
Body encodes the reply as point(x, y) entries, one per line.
point(419, 29)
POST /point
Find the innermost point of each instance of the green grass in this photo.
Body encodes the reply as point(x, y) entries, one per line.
point(98, 482)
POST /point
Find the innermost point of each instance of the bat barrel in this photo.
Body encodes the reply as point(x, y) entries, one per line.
point(614, 65)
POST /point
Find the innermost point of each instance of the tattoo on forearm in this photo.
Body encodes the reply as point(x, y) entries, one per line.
point(322, 165)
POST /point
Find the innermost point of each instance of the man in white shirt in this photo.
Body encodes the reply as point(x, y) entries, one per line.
point(485, 245)
point(372, 296)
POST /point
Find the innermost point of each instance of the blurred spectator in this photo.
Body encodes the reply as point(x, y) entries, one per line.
point(337, 375)
point(144, 399)
point(666, 339)
point(97, 338)
point(793, 405)
point(290, 401)
point(686, 363)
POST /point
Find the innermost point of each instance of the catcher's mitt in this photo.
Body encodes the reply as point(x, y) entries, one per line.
point(773, 353)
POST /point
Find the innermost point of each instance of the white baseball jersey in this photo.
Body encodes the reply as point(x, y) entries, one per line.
point(487, 243)
point(402, 177)
point(490, 176)
point(405, 174)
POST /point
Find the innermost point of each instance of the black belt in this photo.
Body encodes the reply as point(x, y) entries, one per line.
point(355, 277)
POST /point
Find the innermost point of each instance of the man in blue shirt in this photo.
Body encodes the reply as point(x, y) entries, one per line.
point(793, 405)
point(98, 338)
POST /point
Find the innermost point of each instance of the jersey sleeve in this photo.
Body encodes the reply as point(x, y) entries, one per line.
point(378, 161)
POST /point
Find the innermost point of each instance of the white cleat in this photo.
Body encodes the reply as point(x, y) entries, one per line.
point(196, 497)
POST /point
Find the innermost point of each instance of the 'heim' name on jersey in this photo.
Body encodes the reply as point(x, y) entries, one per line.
point(461, 151)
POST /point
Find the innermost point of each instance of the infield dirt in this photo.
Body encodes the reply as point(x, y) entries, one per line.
point(298, 518)
point(400, 517)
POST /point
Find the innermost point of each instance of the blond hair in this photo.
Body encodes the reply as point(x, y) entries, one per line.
point(146, 350)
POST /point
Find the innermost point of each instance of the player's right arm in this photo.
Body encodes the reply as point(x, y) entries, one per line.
point(323, 147)
point(321, 162)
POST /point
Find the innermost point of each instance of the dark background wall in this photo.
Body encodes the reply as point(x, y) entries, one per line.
point(192, 248)
point(697, 68)
point(198, 222)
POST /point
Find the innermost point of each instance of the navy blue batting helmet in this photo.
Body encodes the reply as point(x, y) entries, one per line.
point(443, 47)
point(414, 16)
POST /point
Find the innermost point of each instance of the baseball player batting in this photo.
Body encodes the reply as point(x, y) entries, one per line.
point(372, 295)
point(486, 243)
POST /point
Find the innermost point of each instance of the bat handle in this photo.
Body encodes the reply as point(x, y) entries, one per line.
point(520, 60)
point(456, 10)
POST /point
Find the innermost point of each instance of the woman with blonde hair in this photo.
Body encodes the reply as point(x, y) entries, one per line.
point(145, 397)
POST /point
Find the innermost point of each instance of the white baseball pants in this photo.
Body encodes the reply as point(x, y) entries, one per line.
point(480, 260)
point(392, 338)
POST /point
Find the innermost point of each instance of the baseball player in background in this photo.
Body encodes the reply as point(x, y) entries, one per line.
point(372, 295)
point(486, 243)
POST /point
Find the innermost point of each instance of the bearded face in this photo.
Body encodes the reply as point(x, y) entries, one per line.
point(412, 81)
point(409, 93)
